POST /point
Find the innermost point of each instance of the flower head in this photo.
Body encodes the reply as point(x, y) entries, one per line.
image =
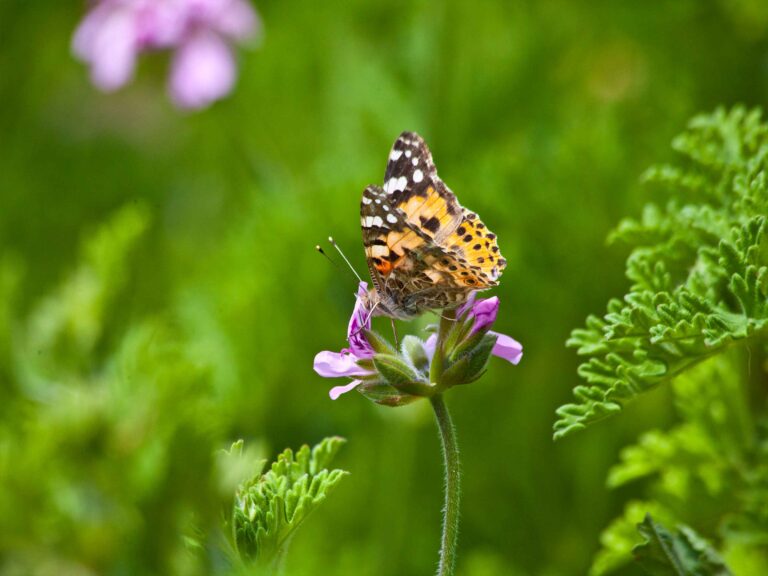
point(115, 32)
point(456, 354)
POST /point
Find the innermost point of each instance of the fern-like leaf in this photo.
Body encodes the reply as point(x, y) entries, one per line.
point(698, 267)
point(269, 507)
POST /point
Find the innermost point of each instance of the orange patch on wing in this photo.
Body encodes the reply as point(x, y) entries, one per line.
point(478, 247)
point(398, 241)
point(430, 208)
point(384, 267)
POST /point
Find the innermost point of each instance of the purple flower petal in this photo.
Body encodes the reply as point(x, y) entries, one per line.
point(484, 312)
point(507, 348)
point(336, 364)
point(106, 40)
point(358, 323)
point(161, 24)
point(203, 71)
point(429, 347)
point(238, 20)
point(337, 391)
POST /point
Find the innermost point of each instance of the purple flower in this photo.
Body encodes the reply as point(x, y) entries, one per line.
point(338, 364)
point(484, 313)
point(115, 32)
point(507, 348)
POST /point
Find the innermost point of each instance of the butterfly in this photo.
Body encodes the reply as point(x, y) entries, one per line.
point(424, 250)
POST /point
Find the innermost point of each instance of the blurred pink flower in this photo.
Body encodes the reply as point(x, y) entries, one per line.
point(200, 32)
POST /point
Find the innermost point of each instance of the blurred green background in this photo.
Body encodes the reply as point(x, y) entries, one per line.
point(160, 296)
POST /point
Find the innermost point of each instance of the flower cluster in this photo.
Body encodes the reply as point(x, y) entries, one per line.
point(456, 353)
point(200, 32)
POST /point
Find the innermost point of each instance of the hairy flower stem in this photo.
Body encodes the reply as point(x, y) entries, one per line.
point(452, 486)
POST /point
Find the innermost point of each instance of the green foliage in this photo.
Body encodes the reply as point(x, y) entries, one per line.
point(269, 507)
point(620, 538)
point(696, 316)
point(540, 116)
point(684, 553)
point(698, 271)
point(707, 472)
point(87, 459)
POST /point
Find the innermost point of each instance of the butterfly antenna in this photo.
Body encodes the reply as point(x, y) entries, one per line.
point(333, 243)
point(331, 260)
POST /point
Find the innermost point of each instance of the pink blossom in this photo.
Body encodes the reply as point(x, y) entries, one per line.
point(199, 32)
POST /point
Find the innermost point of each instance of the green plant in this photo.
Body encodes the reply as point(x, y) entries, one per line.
point(270, 506)
point(695, 316)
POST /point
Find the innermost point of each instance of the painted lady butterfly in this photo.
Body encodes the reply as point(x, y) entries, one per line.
point(424, 250)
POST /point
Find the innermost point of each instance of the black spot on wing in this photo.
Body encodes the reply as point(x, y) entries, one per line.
point(431, 224)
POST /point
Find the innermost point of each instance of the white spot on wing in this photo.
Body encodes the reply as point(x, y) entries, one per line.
point(408, 153)
point(415, 161)
point(418, 176)
point(395, 155)
point(366, 200)
point(377, 221)
point(391, 218)
point(396, 184)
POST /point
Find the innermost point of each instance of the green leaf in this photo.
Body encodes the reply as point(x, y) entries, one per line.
point(621, 536)
point(681, 554)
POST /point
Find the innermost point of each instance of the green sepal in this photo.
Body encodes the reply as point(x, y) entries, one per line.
point(471, 365)
point(456, 334)
point(420, 389)
point(382, 393)
point(437, 364)
point(412, 349)
point(479, 357)
point(457, 373)
point(468, 342)
point(395, 370)
point(379, 343)
point(366, 364)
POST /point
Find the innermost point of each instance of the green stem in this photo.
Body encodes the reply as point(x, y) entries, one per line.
point(452, 486)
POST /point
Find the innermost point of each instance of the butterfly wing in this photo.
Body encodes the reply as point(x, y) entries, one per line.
point(424, 250)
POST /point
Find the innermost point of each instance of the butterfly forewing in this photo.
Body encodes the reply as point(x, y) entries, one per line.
point(413, 185)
